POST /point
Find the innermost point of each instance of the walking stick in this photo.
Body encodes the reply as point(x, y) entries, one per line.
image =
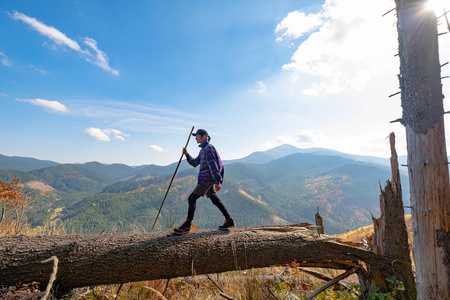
point(181, 158)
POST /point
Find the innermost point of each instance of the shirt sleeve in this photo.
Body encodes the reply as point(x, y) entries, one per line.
point(213, 165)
point(193, 161)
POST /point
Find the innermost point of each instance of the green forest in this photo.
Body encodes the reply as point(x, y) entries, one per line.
point(93, 197)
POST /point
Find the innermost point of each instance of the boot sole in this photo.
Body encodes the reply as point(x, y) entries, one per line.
point(181, 233)
point(227, 227)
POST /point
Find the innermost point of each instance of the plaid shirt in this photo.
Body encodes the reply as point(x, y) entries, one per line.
point(211, 167)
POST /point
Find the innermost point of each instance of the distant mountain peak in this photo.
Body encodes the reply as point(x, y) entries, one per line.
point(285, 146)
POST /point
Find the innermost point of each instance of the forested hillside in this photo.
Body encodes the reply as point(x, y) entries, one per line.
point(23, 163)
point(93, 197)
point(72, 178)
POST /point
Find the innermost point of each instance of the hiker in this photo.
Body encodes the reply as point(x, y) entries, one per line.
point(210, 178)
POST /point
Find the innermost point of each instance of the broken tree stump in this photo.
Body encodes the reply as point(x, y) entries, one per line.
point(319, 223)
point(390, 235)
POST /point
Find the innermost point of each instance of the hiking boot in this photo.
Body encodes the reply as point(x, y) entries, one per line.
point(184, 228)
point(229, 223)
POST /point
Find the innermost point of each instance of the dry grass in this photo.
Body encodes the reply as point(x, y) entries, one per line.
point(267, 283)
point(364, 232)
point(38, 185)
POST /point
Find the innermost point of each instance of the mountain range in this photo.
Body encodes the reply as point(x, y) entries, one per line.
point(279, 186)
point(24, 163)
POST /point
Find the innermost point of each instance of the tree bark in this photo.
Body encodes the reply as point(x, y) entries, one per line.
point(422, 103)
point(86, 260)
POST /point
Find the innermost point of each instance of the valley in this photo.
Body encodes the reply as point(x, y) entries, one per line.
point(283, 185)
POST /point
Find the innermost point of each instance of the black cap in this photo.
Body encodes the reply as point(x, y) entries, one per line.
point(201, 132)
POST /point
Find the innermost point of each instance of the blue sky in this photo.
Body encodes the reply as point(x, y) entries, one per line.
point(124, 82)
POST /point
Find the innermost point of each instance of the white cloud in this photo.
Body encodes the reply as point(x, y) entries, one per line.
point(373, 142)
point(105, 135)
point(262, 87)
point(4, 95)
point(296, 24)
point(157, 148)
point(97, 133)
point(116, 134)
point(53, 105)
point(99, 58)
point(344, 53)
point(42, 71)
point(135, 118)
point(5, 60)
point(51, 32)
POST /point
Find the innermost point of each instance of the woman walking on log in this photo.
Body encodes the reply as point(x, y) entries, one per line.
point(210, 178)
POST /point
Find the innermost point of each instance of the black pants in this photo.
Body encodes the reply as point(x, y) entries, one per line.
point(214, 199)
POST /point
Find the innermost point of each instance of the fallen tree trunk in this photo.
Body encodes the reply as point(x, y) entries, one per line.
point(86, 260)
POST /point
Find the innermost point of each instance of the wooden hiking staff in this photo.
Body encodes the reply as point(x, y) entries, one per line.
point(181, 158)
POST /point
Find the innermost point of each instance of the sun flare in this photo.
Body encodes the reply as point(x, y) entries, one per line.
point(437, 6)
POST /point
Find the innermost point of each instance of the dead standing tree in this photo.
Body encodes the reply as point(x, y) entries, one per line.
point(422, 103)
